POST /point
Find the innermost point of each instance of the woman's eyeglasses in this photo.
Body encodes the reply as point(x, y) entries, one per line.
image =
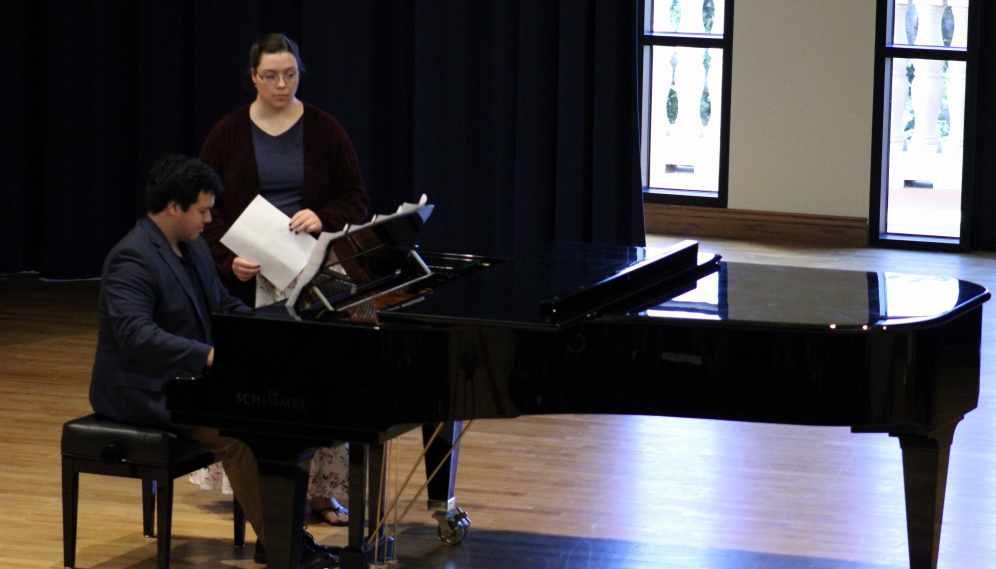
point(271, 78)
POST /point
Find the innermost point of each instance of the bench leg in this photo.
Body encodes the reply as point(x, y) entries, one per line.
point(70, 507)
point(148, 507)
point(164, 499)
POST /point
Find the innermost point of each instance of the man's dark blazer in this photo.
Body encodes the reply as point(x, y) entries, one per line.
point(152, 326)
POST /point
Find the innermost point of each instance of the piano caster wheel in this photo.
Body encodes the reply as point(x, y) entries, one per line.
point(454, 526)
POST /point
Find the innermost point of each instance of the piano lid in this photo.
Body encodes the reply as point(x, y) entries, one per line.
point(751, 295)
point(554, 285)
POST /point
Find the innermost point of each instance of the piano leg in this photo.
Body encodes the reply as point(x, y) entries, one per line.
point(442, 489)
point(351, 556)
point(925, 472)
point(283, 484)
point(452, 521)
point(366, 479)
point(383, 549)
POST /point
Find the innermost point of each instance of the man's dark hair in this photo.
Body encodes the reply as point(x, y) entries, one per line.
point(180, 179)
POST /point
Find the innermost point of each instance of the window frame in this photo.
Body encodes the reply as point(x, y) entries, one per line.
point(885, 53)
point(648, 40)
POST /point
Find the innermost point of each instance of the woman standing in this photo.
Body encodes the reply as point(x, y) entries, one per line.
point(298, 158)
point(292, 153)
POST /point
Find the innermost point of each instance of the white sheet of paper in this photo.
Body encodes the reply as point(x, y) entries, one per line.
point(262, 235)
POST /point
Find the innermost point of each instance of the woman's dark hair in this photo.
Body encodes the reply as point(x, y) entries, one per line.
point(273, 43)
point(180, 179)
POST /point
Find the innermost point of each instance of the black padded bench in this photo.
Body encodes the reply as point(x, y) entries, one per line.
point(95, 445)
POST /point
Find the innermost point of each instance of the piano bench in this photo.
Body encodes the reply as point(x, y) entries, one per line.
point(95, 445)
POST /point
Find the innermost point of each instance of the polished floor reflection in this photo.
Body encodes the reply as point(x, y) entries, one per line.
point(564, 491)
point(500, 549)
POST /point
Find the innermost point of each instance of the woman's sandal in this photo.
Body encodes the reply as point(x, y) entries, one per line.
point(337, 510)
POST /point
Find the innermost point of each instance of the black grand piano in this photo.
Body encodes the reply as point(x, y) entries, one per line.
point(398, 339)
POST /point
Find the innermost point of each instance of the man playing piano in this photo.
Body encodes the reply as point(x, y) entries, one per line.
point(158, 289)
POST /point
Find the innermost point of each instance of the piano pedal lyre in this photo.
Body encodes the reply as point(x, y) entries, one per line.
point(383, 554)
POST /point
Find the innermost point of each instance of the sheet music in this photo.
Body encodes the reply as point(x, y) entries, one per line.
point(318, 254)
point(262, 235)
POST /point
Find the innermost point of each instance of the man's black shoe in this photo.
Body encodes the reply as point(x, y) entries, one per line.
point(309, 541)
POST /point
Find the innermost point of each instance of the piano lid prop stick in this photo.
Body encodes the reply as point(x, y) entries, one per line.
point(427, 480)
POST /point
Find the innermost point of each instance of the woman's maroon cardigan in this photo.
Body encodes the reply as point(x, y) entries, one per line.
point(333, 188)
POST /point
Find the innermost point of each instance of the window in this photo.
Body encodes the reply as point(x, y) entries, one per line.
point(925, 95)
point(686, 91)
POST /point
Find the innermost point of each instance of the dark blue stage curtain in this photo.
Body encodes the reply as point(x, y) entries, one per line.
point(517, 118)
point(984, 208)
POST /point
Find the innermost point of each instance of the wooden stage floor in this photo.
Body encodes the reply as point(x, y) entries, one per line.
point(552, 491)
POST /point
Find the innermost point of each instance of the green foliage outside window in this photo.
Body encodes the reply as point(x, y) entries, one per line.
point(705, 102)
point(708, 12)
point(672, 104)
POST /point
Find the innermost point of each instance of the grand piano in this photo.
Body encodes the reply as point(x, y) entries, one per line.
point(397, 339)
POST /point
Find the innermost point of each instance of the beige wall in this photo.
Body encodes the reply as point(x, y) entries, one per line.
point(801, 114)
